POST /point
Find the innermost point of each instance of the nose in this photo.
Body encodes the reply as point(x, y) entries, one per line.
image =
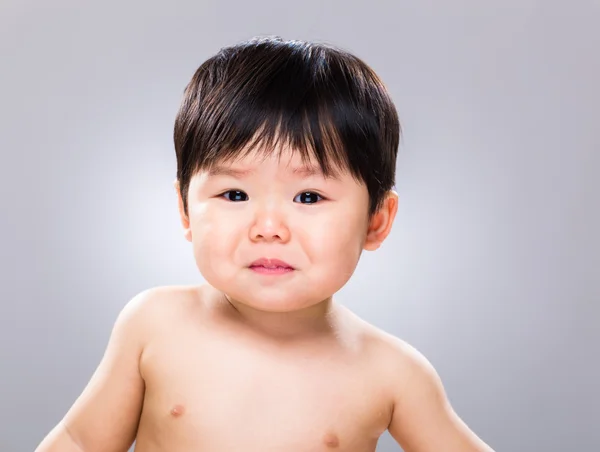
point(269, 226)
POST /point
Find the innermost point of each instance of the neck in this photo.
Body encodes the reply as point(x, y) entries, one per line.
point(316, 321)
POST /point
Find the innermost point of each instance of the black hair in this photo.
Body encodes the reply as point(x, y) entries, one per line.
point(322, 101)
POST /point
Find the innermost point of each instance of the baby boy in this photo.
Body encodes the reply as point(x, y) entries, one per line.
point(286, 155)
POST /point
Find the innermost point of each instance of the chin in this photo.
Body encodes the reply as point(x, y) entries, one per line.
point(270, 295)
point(272, 299)
point(273, 303)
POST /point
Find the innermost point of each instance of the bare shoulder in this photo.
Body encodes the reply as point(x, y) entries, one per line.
point(154, 310)
point(106, 414)
point(157, 305)
point(422, 416)
point(394, 357)
point(403, 368)
point(405, 360)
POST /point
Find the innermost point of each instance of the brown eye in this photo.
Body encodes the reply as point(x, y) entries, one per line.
point(235, 195)
point(308, 197)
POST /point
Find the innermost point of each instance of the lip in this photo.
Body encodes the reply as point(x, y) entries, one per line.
point(271, 264)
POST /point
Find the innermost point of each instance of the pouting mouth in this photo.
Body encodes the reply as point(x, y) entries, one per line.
point(270, 263)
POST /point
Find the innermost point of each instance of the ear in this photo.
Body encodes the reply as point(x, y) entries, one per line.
point(185, 221)
point(381, 222)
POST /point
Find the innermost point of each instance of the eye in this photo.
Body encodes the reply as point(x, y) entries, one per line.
point(308, 197)
point(235, 195)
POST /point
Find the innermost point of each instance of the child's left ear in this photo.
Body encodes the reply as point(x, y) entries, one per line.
point(381, 222)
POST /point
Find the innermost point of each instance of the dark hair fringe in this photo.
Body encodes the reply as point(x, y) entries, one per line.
point(267, 93)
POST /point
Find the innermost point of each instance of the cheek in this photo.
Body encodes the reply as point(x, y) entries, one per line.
point(336, 240)
point(213, 239)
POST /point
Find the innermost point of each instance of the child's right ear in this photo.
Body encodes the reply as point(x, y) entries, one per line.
point(185, 221)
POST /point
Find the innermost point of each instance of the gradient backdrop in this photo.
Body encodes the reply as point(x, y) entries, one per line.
point(492, 269)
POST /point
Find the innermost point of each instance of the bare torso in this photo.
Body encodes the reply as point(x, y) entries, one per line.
point(213, 386)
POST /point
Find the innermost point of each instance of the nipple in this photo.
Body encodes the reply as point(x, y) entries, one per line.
point(331, 440)
point(177, 410)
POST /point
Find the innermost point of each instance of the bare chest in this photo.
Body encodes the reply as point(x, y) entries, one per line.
point(216, 397)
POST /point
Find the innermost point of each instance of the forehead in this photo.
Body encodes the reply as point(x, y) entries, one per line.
point(289, 162)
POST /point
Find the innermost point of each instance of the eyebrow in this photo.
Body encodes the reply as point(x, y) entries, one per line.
point(219, 170)
point(301, 171)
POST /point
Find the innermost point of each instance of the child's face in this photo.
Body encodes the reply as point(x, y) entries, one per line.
point(316, 225)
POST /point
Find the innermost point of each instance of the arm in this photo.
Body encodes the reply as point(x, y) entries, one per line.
point(59, 439)
point(105, 416)
point(423, 420)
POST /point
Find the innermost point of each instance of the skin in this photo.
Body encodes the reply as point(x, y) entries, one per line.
point(263, 363)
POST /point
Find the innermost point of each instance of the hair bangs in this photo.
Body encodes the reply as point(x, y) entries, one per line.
point(292, 110)
point(268, 96)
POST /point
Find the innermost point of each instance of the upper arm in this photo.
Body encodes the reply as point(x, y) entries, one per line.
point(423, 419)
point(105, 416)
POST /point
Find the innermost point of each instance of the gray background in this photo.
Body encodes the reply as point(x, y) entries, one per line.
point(492, 269)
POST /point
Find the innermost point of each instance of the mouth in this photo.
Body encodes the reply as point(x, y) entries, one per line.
point(270, 266)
